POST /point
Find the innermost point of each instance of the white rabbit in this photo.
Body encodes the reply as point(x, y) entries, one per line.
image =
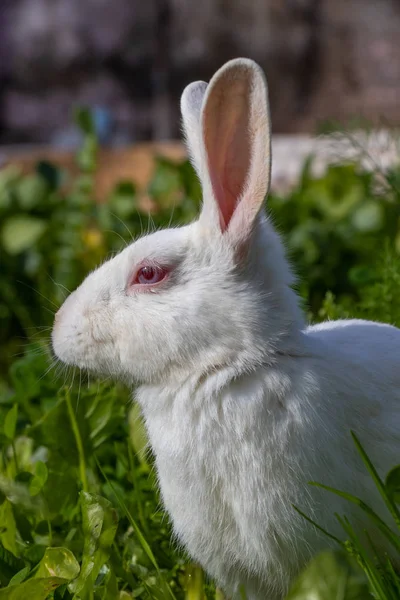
point(244, 403)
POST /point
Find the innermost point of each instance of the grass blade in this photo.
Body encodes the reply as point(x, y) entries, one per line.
point(394, 511)
point(377, 583)
point(78, 441)
point(324, 531)
point(391, 536)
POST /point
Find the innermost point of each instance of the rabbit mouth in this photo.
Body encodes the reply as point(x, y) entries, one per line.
point(81, 349)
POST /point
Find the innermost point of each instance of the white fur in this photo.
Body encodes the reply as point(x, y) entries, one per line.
point(243, 403)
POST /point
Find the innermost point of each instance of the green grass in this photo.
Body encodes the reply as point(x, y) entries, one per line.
point(80, 514)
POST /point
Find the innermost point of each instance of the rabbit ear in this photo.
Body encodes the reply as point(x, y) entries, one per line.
point(191, 104)
point(236, 147)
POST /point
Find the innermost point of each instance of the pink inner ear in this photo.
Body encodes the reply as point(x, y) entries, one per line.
point(227, 196)
point(229, 166)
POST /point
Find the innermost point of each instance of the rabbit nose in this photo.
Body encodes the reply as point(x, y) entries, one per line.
point(61, 311)
point(57, 317)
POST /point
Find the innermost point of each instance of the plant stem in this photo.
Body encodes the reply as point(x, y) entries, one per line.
point(78, 440)
point(137, 491)
point(194, 583)
point(15, 457)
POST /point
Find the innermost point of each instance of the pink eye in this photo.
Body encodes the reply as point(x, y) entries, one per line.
point(150, 275)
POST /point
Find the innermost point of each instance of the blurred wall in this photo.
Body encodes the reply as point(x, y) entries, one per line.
point(130, 59)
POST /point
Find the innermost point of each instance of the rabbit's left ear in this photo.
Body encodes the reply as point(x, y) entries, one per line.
point(191, 105)
point(235, 148)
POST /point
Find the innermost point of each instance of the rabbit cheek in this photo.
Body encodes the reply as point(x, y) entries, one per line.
point(100, 326)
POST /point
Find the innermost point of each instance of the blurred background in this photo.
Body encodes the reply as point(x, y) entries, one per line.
point(129, 60)
point(89, 160)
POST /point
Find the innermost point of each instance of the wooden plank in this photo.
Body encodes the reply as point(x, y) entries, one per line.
point(135, 163)
point(376, 150)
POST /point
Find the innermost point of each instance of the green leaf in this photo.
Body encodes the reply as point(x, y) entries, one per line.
point(392, 484)
point(165, 186)
point(34, 553)
point(8, 530)
point(125, 188)
point(330, 576)
point(55, 431)
point(18, 494)
point(10, 422)
point(100, 523)
point(19, 233)
point(122, 202)
point(50, 173)
point(58, 562)
point(25, 374)
point(9, 177)
point(9, 565)
point(33, 589)
point(110, 591)
point(137, 433)
point(83, 118)
point(368, 216)
point(31, 192)
point(39, 479)
point(99, 415)
point(87, 159)
point(20, 576)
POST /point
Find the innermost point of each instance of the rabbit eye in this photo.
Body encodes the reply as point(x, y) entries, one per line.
point(150, 275)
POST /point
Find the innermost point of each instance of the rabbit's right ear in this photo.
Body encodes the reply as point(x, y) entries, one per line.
point(236, 134)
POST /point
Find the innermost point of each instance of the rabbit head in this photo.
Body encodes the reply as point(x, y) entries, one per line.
point(209, 294)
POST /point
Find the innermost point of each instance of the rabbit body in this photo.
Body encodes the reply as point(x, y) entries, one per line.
point(234, 455)
point(244, 404)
